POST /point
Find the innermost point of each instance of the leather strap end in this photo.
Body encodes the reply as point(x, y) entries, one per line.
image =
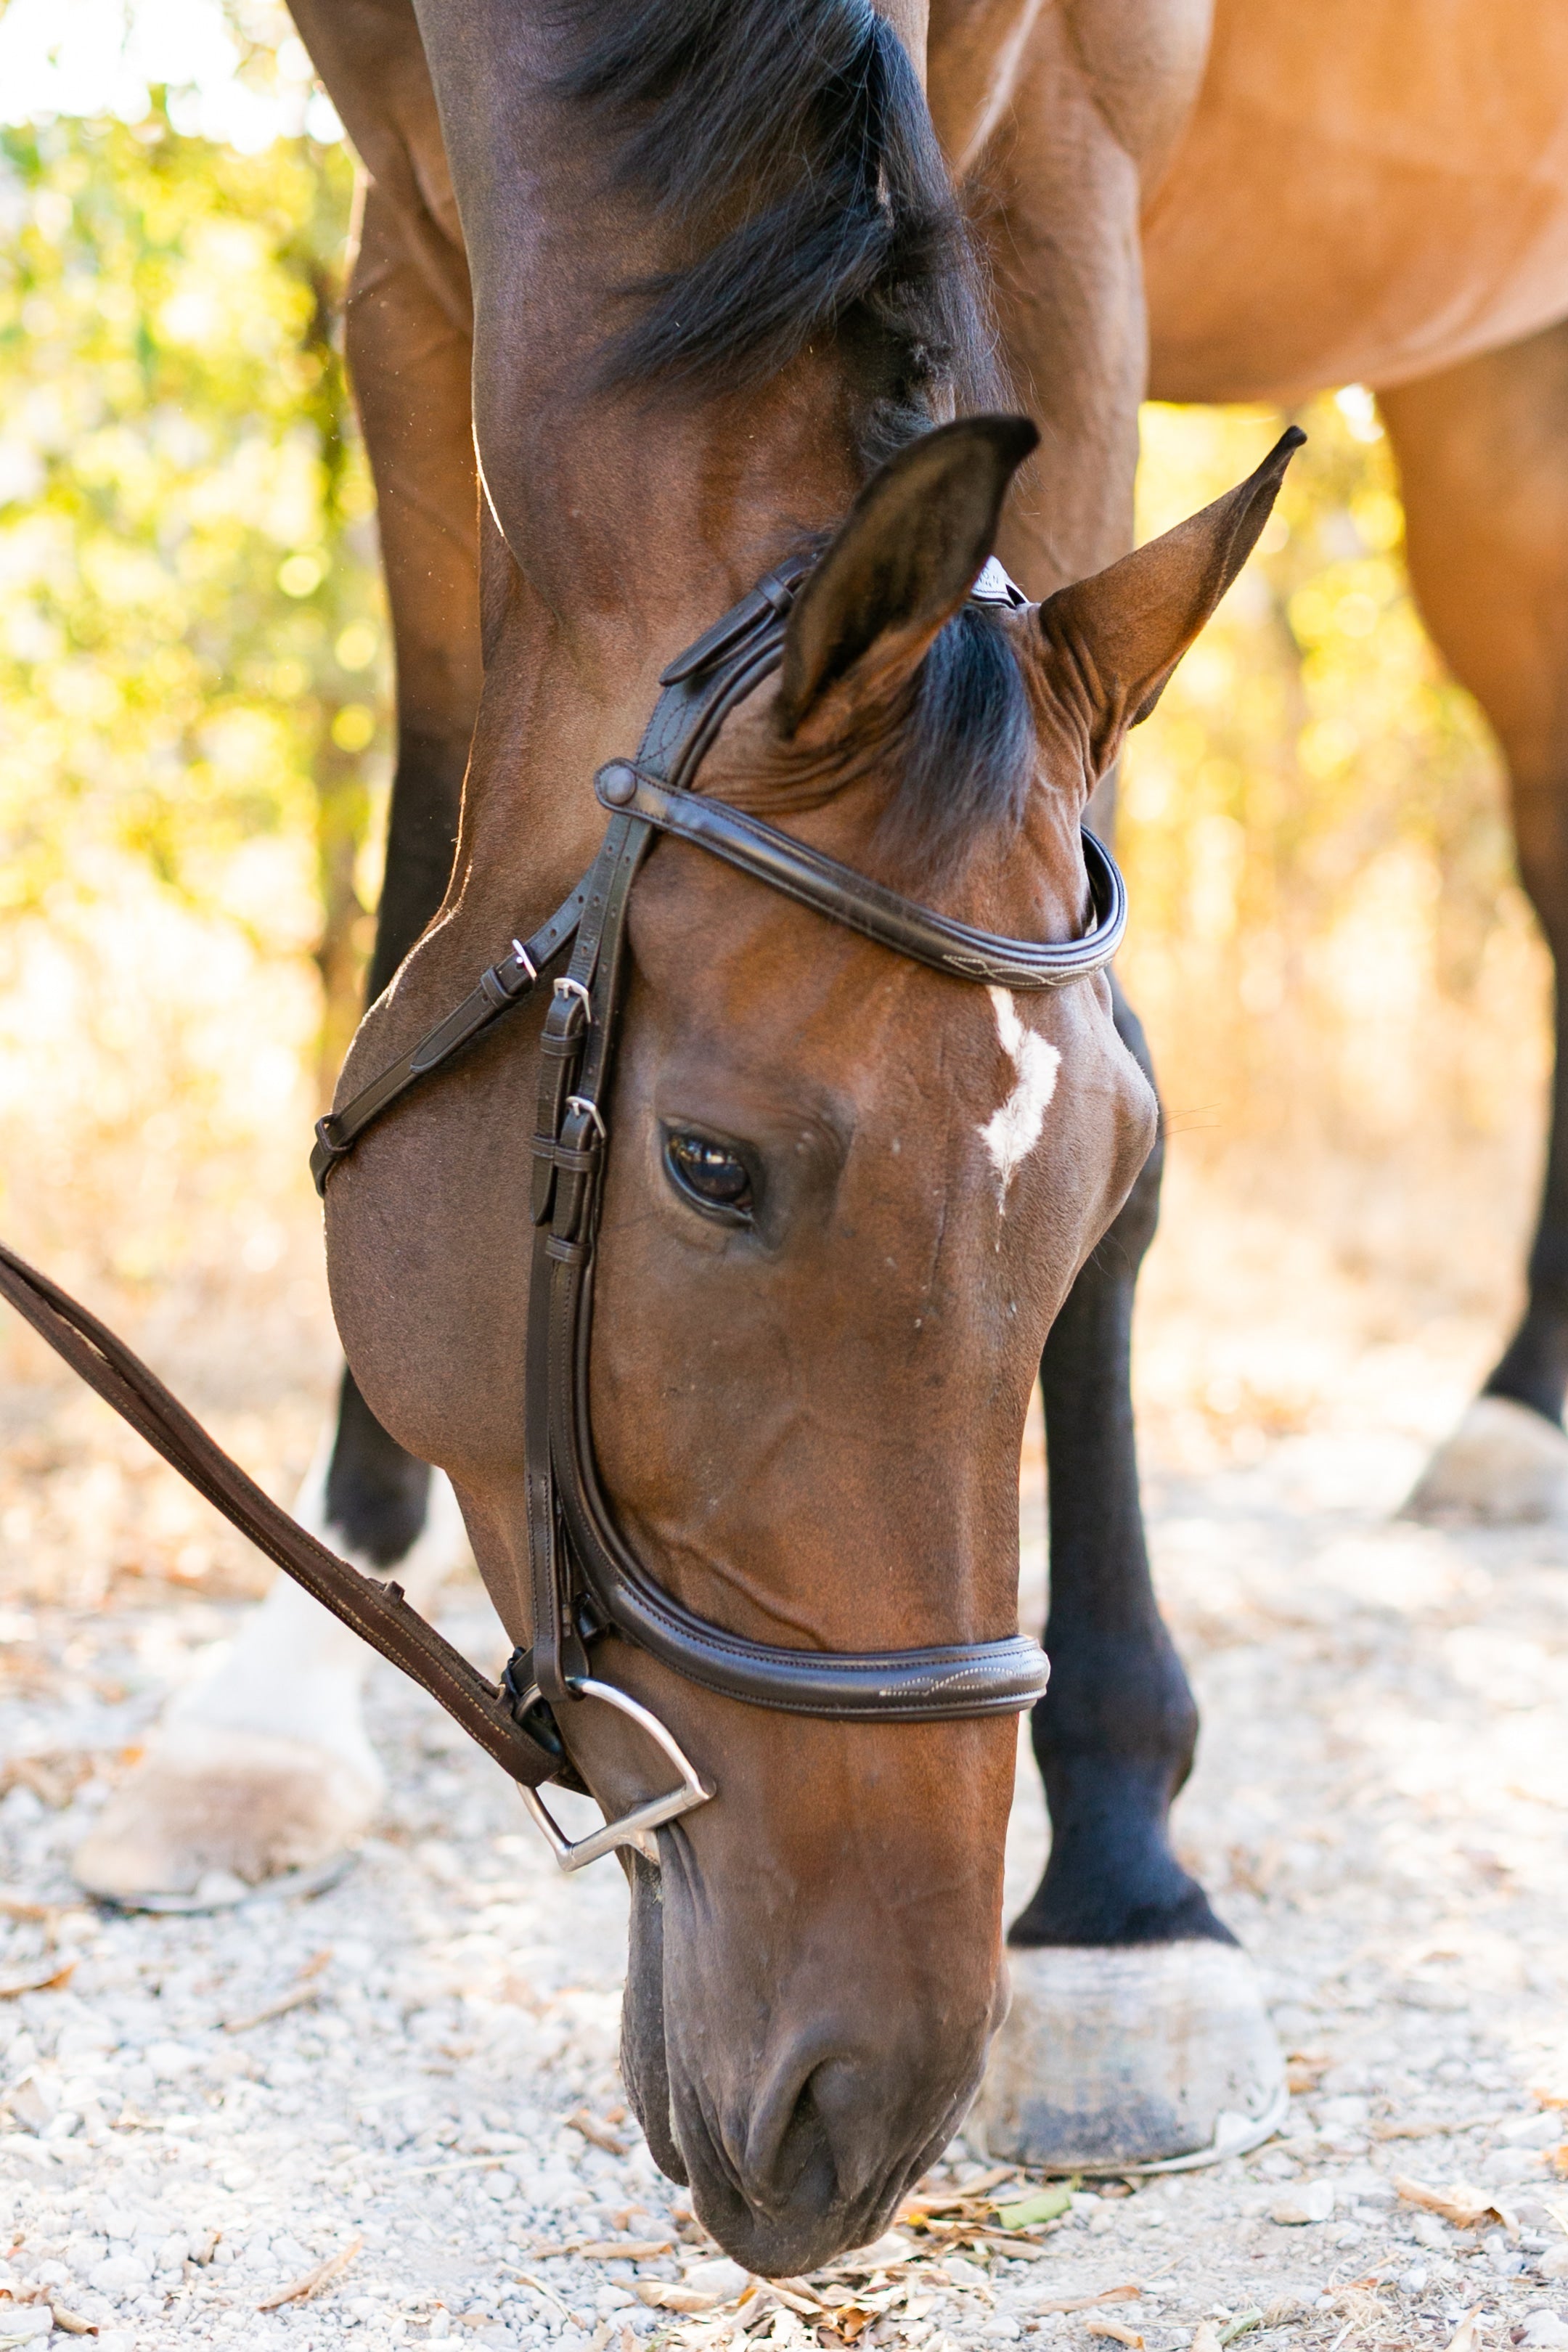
point(325, 1154)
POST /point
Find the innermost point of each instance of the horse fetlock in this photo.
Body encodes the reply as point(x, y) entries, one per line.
point(1118, 2055)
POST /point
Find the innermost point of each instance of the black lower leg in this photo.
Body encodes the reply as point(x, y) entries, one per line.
point(1114, 1736)
point(1534, 1367)
point(377, 1493)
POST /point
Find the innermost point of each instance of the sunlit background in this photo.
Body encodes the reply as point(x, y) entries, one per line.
point(1340, 978)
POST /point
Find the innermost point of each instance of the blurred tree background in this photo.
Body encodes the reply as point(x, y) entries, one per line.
point(194, 706)
point(192, 638)
point(1340, 979)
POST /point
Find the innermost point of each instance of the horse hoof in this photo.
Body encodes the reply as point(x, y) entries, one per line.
point(1503, 1463)
point(211, 1815)
point(1118, 2057)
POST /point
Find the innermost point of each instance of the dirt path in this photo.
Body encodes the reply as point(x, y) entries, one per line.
point(1381, 1806)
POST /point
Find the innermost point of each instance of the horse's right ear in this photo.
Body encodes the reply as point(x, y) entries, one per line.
point(1113, 641)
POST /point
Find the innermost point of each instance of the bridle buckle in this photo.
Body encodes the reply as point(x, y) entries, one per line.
point(636, 1828)
point(589, 1111)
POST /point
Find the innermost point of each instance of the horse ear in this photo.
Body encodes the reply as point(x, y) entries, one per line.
point(902, 563)
point(1113, 640)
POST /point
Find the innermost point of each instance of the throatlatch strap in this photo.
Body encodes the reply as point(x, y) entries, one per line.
point(502, 986)
point(377, 1613)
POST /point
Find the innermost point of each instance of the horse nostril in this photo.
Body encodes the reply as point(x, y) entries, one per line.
point(828, 2151)
point(786, 2163)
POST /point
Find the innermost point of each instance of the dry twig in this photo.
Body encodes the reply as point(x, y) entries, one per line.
point(314, 2281)
point(599, 2134)
point(305, 1989)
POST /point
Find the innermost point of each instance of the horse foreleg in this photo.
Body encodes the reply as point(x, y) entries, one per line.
point(263, 1765)
point(1483, 459)
point(1136, 2021)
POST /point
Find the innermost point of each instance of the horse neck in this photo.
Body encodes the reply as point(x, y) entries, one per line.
point(620, 523)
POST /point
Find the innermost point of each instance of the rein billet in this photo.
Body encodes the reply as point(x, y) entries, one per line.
point(586, 1580)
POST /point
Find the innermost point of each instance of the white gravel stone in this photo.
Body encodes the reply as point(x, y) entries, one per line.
point(1313, 2200)
point(720, 2277)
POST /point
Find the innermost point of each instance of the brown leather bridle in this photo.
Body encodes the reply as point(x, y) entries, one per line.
point(586, 1581)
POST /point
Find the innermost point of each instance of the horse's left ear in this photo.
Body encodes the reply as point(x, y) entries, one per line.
point(1113, 641)
point(901, 565)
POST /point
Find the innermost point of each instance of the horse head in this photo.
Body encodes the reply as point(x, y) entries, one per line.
point(845, 1195)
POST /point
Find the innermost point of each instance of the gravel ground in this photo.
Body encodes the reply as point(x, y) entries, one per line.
point(412, 2075)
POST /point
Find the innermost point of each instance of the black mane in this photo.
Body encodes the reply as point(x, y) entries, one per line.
point(788, 145)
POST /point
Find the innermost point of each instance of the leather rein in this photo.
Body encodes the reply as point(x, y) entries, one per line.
point(586, 1583)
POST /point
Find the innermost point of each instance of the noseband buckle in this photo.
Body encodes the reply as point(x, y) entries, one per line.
point(636, 1828)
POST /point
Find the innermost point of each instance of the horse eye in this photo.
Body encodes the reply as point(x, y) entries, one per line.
point(711, 1175)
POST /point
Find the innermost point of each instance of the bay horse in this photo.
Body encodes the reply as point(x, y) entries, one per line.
point(1197, 203)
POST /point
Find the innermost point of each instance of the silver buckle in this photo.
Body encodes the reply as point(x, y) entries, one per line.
point(637, 1827)
point(589, 1111)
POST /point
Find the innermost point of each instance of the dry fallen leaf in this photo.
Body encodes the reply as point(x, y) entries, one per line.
point(1127, 2294)
point(1461, 2204)
point(314, 2281)
point(669, 2294)
point(53, 1976)
point(1467, 2335)
point(1205, 2337)
point(616, 2250)
point(796, 2295)
point(71, 2323)
point(849, 2319)
point(1116, 2331)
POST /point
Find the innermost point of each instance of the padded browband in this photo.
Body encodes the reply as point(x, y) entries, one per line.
point(798, 871)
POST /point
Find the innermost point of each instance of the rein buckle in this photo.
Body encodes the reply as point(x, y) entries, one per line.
point(636, 1828)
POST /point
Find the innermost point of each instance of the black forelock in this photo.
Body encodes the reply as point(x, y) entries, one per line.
point(788, 145)
point(969, 748)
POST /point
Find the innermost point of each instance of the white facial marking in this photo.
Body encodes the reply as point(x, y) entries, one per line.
point(1012, 1133)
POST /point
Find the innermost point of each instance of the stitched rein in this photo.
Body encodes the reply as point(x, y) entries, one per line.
point(586, 1579)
